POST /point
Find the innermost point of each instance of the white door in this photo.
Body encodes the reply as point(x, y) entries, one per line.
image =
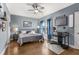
point(76, 30)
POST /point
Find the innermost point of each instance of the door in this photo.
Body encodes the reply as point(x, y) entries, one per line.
point(49, 29)
point(42, 27)
point(76, 30)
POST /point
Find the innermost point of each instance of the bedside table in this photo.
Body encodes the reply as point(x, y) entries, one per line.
point(15, 36)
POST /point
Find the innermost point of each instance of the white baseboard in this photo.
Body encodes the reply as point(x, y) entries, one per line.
point(73, 46)
point(3, 51)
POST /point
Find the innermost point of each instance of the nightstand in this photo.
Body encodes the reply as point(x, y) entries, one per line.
point(15, 36)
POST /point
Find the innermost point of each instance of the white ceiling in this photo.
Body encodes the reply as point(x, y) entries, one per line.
point(21, 9)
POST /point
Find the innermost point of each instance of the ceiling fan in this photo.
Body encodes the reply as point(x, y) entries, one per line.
point(37, 8)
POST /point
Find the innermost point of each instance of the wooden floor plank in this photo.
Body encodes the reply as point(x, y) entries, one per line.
point(35, 48)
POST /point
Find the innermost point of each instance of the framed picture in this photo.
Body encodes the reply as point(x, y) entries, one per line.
point(27, 24)
point(3, 26)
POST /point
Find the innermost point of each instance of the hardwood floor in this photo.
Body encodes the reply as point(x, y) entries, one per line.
point(31, 48)
point(70, 51)
point(35, 48)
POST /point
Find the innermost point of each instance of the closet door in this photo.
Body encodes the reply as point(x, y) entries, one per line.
point(76, 29)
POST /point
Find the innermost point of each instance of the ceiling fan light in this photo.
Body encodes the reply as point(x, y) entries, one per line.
point(36, 11)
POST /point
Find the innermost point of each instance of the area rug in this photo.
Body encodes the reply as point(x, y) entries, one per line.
point(55, 48)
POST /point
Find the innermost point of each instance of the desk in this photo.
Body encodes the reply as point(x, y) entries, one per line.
point(63, 39)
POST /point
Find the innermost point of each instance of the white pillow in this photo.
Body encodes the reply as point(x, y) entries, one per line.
point(32, 32)
point(23, 32)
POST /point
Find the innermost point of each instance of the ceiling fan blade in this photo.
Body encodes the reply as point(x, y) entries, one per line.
point(30, 10)
point(30, 4)
point(41, 7)
point(40, 11)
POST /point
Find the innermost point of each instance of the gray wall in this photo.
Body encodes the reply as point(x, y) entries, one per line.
point(17, 21)
point(4, 36)
point(66, 11)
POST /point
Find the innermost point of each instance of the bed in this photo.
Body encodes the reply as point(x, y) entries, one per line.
point(23, 38)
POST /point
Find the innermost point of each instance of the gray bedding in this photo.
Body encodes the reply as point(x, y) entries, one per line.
point(29, 38)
